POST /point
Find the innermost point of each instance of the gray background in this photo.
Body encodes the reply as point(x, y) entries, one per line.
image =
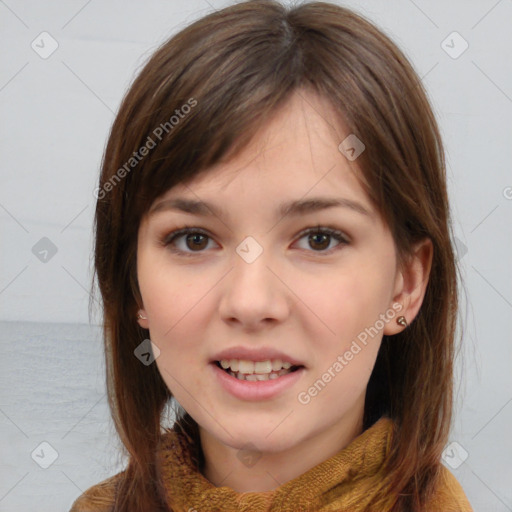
point(55, 116)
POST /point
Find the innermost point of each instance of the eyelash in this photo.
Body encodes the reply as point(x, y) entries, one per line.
point(168, 239)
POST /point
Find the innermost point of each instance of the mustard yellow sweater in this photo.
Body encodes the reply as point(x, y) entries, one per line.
point(344, 482)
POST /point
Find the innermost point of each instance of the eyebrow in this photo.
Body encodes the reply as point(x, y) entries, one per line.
point(294, 208)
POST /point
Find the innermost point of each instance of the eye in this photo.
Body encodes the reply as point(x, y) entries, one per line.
point(189, 240)
point(320, 238)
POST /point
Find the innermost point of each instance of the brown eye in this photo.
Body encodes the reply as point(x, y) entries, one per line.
point(187, 241)
point(319, 241)
point(196, 241)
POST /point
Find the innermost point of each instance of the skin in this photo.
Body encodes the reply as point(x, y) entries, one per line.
point(309, 298)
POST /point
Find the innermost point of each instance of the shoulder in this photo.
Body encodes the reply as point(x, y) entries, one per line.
point(449, 495)
point(99, 497)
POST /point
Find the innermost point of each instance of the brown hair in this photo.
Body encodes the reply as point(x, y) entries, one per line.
point(234, 68)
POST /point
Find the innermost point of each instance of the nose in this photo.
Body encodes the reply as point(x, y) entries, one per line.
point(253, 294)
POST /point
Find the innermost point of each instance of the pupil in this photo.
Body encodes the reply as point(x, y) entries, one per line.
point(325, 237)
point(197, 240)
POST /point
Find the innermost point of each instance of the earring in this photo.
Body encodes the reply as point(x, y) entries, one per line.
point(139, 315)
point(401, 321)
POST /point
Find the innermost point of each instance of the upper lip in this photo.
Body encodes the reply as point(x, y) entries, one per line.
point(255, 354)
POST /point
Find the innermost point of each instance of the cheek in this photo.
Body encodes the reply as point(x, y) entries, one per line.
point(176, 302)
point(176, 314)
point(342, 301)
point(166, 291)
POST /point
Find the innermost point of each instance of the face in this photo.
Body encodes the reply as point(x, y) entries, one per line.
point(315, 285)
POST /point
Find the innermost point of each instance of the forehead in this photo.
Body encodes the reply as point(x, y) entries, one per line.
point(295, 156)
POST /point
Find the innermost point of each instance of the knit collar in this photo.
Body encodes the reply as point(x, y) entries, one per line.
point(330, 483)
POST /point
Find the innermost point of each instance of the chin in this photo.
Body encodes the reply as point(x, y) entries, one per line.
point(260, 440)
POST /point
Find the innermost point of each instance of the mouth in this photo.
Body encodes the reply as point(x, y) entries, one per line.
point(269, 369)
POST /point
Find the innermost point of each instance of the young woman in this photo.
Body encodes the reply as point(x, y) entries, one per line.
point(274, 253)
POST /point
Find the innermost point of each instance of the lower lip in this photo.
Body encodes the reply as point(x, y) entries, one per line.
point(258, 389)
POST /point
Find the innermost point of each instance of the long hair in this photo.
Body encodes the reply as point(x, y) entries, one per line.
point(199, 100)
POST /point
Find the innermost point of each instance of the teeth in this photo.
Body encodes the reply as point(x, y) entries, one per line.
point(230, 363)
point(259, 376)
point(277, 364)
point(258, 367)
point(263, 367)
point(245, 366)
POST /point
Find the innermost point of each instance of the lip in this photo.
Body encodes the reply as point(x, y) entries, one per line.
point(255, 390)
point(255, 354)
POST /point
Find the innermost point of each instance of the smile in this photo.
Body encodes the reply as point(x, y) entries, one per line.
point(257, 385)
point(243, 369)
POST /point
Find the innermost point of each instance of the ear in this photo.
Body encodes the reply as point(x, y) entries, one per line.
point(142, 319)
point(410, 284)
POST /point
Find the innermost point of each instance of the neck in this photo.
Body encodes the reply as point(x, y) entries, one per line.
point(223, 465)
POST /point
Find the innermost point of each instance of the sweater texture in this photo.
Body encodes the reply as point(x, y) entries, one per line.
point(345, 482)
